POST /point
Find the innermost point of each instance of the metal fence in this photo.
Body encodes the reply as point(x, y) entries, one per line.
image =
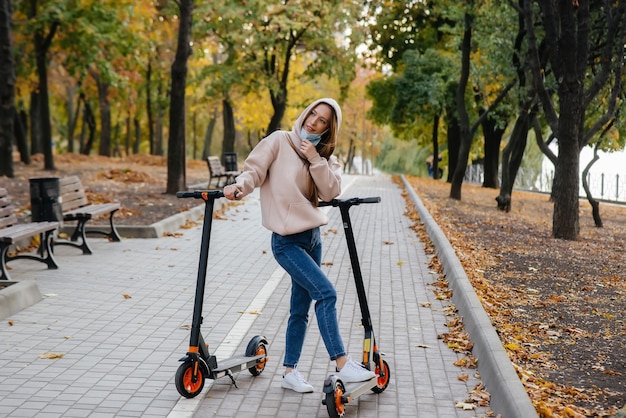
point(611, 188)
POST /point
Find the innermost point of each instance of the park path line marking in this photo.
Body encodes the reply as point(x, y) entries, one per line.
point(186, 407)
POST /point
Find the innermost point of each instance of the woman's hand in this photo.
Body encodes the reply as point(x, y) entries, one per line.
point(307, 149)
point(232, 192)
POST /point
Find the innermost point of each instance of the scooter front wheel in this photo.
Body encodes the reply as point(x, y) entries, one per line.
point(188, 385)
point(335, 404)
point(383, 377)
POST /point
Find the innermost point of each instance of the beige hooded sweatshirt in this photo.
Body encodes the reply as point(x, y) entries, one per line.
point(283, 175)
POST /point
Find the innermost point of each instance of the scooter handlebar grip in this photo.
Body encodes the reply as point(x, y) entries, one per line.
point(185, 194)
point(370, 200)
point(198, 194)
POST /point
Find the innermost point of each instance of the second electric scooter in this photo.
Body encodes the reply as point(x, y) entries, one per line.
point(199, 365)
point(338, 393)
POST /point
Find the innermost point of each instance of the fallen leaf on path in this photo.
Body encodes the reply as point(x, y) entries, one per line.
point(51, 355)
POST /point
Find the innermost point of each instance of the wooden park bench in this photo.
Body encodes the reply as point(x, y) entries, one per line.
point(12, 233)
point(76, 207)
point(217, 171)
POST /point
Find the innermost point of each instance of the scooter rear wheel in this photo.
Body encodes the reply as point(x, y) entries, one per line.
point(257, 346)
point(184, 380)
point(384, 376)
point(334, 400)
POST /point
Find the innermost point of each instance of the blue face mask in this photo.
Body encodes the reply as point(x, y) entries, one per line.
point(313, 138)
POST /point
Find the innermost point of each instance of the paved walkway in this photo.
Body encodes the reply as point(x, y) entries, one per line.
point(120, 320)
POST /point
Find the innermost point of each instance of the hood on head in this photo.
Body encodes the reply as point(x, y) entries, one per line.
point(331, 102)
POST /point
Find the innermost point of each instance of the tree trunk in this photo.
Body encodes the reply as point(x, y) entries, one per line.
point(19, 129)
point(72, 125)
point(42, 44)
point(7, 91)
point(595, 204)
point(89, 121)
point(176, 178)
point(493, 138)
point(46, 127)
point(208, 135)
point(105, 117)
point(454, 142)
point(565, 220)
point(512, 158)
point(436, 174)
point(565, 190)
point(194, 130)
point(35, 123)
point(228, 144)
point(149, 107)
point(158, 124)
point(465, 134)
point(129, 135)
point(137, 143)
point(279, 104)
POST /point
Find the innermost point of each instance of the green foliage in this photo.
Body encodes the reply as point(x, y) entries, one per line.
point(404, 157)
point(259, 40)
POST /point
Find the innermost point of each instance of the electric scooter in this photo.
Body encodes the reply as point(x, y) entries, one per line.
point(199, 365)
point(338, 393)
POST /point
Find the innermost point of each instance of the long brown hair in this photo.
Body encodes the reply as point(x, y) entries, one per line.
point(327, 145)
point(325, 148)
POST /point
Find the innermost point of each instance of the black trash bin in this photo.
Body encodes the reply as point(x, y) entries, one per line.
point(230, 161)
point(45, 199)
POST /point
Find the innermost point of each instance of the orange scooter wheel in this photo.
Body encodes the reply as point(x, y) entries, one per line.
point(335, 400)
point(257, 347)
point(187, 384)
point(383, 377)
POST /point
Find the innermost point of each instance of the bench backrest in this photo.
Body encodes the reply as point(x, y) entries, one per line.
point(72, 193)
point(7, 210)
point(215, 166)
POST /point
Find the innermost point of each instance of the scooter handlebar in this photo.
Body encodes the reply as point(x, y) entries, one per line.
point(350, 201)
point(200, 194)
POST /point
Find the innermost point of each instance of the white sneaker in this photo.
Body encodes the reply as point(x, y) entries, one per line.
point(295, 381)
point(353, 372)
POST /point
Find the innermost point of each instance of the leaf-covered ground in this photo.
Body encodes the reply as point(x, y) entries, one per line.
point(558, 306)
point(137, 182)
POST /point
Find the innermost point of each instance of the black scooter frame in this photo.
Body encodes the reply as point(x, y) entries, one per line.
point(199, 364)
point(337, 392)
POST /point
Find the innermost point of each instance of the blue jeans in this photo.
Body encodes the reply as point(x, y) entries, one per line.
point(301, 256)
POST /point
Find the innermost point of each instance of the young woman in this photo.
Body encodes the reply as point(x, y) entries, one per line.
point(294, 169)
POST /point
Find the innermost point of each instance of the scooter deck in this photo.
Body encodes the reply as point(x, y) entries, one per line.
point(237, 363)
point(354, 390)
